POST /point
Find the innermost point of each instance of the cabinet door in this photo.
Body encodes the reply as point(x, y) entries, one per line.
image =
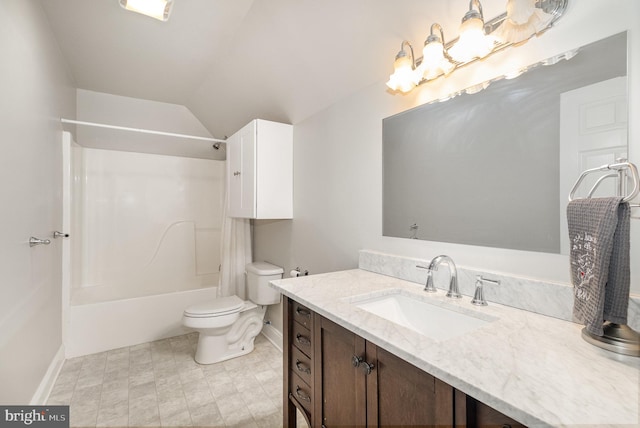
point(400, 394)
point(241, 168)
point(343, 390)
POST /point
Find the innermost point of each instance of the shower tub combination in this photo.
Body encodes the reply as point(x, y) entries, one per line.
point(144, 244)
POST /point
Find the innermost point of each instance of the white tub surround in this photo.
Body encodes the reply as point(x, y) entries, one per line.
point(535, 369)
point(554, 299)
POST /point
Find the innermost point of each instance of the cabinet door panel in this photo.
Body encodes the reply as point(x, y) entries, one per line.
point(241, 158)
point(343, 385)
point(400, 394)
point(234, 181)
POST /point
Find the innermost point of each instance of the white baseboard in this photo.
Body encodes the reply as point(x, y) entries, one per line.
point(273, 335)
point(48, 381)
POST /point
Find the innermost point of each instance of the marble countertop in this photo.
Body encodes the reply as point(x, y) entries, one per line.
point(535, 369)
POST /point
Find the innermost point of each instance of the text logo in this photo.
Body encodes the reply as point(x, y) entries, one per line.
point(34, 416)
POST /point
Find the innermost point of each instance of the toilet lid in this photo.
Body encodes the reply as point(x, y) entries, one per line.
point(217, 307)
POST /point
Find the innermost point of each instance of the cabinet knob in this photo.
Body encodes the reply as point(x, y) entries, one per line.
point(356, 361)
point(236, 173)
point(367, 368)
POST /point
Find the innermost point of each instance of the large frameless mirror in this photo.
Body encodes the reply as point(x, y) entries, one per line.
point(494, 168)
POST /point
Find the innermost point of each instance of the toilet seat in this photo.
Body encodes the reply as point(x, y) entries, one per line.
point(220, 306)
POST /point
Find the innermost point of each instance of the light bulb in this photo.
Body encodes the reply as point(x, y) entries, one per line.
point(404, 77)
point(434, 63)
point(473, 42)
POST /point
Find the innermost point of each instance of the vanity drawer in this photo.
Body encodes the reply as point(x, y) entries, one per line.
point(300, 391)
point(301, 364)
point(301, 314)
point(301, 338)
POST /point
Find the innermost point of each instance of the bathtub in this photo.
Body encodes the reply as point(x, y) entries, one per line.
point(144, 244)
point(98, 327)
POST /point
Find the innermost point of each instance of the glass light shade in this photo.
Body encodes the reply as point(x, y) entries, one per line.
point(403, 78)
point(158, 9)
point(473, 42)
point(523, 20)
point(519, 11)
point(434, 63)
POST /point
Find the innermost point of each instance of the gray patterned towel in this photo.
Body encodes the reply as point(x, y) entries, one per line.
point(599, 239)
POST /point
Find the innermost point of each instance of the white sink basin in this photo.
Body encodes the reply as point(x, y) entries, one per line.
point(436, 322)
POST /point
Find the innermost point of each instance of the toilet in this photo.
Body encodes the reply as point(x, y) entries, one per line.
point(228, 326)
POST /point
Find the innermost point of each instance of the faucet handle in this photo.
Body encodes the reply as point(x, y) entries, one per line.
point(428, 287)
point(478, 296)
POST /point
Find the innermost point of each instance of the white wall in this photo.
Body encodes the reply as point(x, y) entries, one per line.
point(136, 113)
point(36, 91)
point(338, 164)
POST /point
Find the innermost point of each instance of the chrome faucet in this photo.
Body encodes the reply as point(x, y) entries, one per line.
point(453, 272)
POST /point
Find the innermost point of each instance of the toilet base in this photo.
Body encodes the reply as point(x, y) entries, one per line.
point(238, 341)
point(211, 349)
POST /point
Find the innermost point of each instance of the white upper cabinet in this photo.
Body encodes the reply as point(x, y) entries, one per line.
point(260, 171)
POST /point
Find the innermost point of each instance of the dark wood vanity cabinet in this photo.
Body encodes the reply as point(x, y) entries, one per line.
point(337, 378)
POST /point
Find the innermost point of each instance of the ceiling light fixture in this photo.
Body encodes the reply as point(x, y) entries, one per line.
point(477, 40)
point(158, 9)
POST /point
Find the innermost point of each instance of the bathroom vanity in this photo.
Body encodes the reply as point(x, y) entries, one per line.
point(348, 365)
point(337, 378)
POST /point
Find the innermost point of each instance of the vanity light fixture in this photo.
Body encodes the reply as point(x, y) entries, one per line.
point(158, 9)
point(477, 40)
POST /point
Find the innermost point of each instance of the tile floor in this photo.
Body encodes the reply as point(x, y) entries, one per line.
point(159, 384)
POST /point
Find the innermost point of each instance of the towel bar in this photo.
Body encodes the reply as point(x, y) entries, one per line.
point(618, 338)
point(621, 172)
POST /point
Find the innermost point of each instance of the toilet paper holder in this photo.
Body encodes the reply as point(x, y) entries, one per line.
point(298, 272)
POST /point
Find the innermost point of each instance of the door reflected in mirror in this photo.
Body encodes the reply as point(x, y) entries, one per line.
point(494, 169)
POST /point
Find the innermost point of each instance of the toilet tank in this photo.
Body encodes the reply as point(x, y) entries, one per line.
point(258, 276)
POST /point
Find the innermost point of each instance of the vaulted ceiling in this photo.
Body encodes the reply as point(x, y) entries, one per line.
point(230, 61)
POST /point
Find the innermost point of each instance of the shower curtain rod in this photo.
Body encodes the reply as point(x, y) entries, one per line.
point(143, 131)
